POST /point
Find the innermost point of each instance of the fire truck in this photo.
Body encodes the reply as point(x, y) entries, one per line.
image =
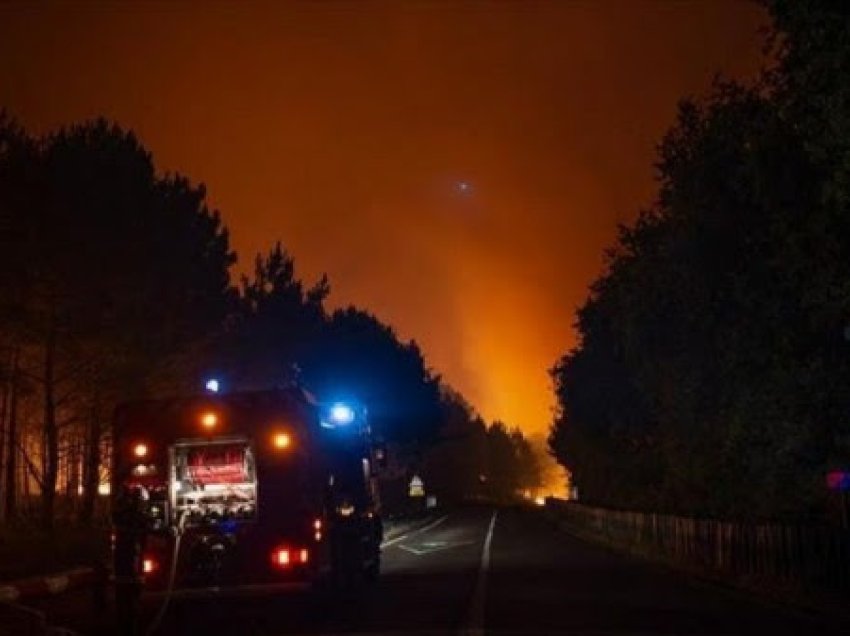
point(248, 488)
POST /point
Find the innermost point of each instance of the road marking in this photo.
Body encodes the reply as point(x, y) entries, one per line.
point(475, 617)
point(435, 546)
point(430, 526)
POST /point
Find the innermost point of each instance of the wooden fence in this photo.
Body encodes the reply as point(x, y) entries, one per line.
point(799, 556)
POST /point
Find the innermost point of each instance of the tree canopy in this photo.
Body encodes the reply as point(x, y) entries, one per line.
point(109, 271)
point(713, 370)
point(281, 332)
point(115, 284)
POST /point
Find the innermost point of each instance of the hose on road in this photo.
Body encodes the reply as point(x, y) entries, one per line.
point(172, 575)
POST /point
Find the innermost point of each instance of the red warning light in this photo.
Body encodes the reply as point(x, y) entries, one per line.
point(280, 557)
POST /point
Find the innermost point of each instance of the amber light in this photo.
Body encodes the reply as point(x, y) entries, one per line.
point(140, 450)
point(303, 555)
point(209, 419)
point(282, 440)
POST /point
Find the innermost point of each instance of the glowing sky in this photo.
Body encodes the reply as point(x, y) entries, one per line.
point(456, 168)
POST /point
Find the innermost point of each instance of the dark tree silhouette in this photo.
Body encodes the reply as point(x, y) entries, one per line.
point(114, 284)
point(276, 325)
point(471, 460)
point(361, 358)
point(282, 333)
point(110, 270)
point(712, 373)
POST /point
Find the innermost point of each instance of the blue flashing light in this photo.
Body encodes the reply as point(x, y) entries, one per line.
point(212, 385)
point(341, 414)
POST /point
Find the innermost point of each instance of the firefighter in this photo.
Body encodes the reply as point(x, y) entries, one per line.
point(129, 518)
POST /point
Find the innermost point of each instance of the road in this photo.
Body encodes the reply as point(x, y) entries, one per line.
point(479, 570)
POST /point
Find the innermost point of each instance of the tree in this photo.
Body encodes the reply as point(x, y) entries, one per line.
point(361, 358)
point(17, 158)
point(453, 466)
point(112, 271)
point(512, 467)
point(711, 371)
point(277, 324)
point(281, 333)
point(469, 459)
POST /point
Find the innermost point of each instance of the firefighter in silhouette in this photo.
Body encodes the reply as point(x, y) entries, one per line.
point(129, 518)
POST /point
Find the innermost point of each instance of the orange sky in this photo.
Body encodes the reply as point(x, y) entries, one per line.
point(344, 129)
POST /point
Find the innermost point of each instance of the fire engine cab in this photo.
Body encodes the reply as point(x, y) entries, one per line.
point(248, 488)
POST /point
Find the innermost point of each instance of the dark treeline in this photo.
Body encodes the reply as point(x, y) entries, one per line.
point(474, 460)
point(713, 370)
point(107, 271)
point(115, 284)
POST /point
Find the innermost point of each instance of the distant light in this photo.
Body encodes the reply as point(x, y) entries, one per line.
point(140, 450)
point(341, 414)
point(104, 488)
point(303, 555)
point(149, 565)
point(464, 187)
point(209, 419)
point(212, 385)
point(540, 500)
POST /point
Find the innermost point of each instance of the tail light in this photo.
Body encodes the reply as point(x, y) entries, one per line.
point(149, 565)
point(280, 557)
point(286, 557)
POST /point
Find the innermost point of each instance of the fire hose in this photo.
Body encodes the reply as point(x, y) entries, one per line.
point(172, 575)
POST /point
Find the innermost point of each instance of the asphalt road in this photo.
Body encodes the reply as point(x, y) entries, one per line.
point(478, 571)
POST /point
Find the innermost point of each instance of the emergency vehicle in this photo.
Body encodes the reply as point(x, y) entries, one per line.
point(246, 488)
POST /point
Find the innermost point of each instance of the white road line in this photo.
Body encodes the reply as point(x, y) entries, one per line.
point(430, 526)
point(475, 617)
point(433, 549)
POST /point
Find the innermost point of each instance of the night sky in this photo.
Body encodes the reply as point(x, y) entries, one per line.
point(456, 168)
